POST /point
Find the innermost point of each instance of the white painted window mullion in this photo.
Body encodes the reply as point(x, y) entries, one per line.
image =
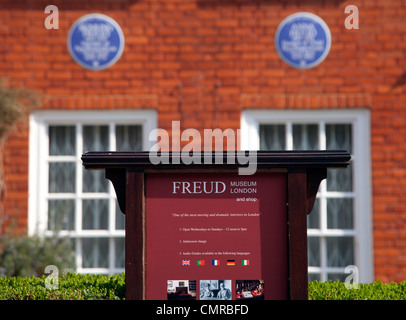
point(79, 178)
point(289, 136)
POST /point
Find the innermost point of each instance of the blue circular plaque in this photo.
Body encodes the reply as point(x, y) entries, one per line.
point(303, 40)
point(95, 41)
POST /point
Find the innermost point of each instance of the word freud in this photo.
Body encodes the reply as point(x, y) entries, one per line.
point(191, 153)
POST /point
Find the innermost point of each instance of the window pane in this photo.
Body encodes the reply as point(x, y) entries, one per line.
point(61, 215)
point(340, 213)
point(339, 179)
point(128, 138)
point(305, 137)
point(94, 181)
point(340, 251)
point(62, 140)
point(120, 218)
point(95, 252)
point(120, 252)
point(313, 251)
point(314, 217)
point(95, 138)
point(314, 276)
point(339, 137)
point(272, 137)
point(95, 214)
point(62, 177)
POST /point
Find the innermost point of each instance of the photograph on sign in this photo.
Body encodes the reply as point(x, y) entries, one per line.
point(249, 290)
point(215, 290)
point(181, 289)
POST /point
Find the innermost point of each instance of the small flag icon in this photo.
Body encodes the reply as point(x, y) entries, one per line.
point(245, 262)
point(215, 262)
point(231, 262)
point(185, 262)
point(200, 262)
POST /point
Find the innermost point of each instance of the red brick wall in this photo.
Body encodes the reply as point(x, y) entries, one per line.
point(202, 61)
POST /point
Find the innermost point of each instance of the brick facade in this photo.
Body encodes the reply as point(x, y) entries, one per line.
point(202, 61)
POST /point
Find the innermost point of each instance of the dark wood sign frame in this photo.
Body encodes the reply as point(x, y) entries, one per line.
point(305, 170)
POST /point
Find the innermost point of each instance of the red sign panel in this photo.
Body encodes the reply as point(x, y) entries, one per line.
point(216, 236)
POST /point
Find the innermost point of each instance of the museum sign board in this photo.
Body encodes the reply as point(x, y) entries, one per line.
point(204, 232)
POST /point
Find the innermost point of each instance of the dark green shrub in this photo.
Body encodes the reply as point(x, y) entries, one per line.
point(27, 256)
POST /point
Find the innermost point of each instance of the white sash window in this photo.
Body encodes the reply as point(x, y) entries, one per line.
point(340, 225)
point(81, 203)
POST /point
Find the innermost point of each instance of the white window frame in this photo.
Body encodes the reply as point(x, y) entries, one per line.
point(38, 168)
point(361, 154)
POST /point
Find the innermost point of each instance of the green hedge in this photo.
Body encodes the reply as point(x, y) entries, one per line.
point(70, 287)
point(98, 287)
point(371, 291)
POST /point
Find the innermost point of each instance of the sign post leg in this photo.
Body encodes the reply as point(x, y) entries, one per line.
point(135, 236)
point(297, 234)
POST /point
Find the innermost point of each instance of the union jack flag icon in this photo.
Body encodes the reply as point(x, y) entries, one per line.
point(185, 262)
